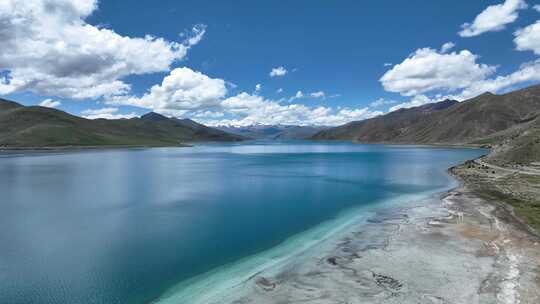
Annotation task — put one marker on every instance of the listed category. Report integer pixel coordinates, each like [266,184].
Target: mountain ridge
[476,121]
[274,132]
[36,126]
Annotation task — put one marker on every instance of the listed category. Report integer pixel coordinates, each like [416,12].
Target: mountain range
[510,123]
[36,126]
[274,132]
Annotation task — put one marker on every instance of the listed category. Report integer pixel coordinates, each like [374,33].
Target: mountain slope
[8,104]
[298,132]
[36,126]
[445,122]
[392,127]
[277,132]
[519,145]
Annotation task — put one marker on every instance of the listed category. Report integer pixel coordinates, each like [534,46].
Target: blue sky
[344,60]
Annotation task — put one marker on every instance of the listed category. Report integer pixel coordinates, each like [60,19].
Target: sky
[241,63]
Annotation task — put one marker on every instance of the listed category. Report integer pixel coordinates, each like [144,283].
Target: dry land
[515,188]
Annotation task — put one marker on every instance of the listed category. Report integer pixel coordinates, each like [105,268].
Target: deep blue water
[122,226]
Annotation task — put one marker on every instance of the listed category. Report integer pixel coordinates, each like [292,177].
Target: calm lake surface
[123,226]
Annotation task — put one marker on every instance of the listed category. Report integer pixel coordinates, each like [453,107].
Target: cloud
[106,113]
[318,94]
[181,91]
[381,102]
[188,93]
[208,114]
[254,109]
[416,101]
[387,64]
[526,74]
[493,18]
[427,70]
[278,72]
[298,95]
[49,49]
[447,47]
[49,103]
[279,91]
[457,75]
[537,7]
[258,87]
[528,38]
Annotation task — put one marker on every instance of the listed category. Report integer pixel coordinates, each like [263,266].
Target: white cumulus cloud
[298,95]
[493,18]
[527,73]
[427,70]
[277,72]
[106,113]
[254,109]
[188,93]
[318,94]
[50,103]
[416,101]
[381,102]
[315,95]
[208,114]
[528,38]
[181,91]
[48,48]
[447,47]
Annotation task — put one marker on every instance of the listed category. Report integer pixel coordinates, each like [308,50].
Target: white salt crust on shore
[415,249]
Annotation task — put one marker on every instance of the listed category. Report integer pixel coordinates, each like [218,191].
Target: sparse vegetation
[520,191]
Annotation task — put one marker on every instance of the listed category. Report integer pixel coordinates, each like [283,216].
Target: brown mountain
[445,122]
[519,144]
[36,126]
[392,127]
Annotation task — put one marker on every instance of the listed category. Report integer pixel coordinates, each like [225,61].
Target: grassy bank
[516,188]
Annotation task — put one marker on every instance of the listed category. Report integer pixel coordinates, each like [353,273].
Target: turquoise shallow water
[124,226]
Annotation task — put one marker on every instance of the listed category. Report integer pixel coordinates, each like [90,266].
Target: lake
[125,226]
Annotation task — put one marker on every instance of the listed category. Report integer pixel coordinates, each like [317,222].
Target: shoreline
[435,145]
[502,206]
[85,148]
[448,247]
[191,144]
[226,280]
[515,245]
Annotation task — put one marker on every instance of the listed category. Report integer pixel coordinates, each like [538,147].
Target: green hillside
[36,126]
